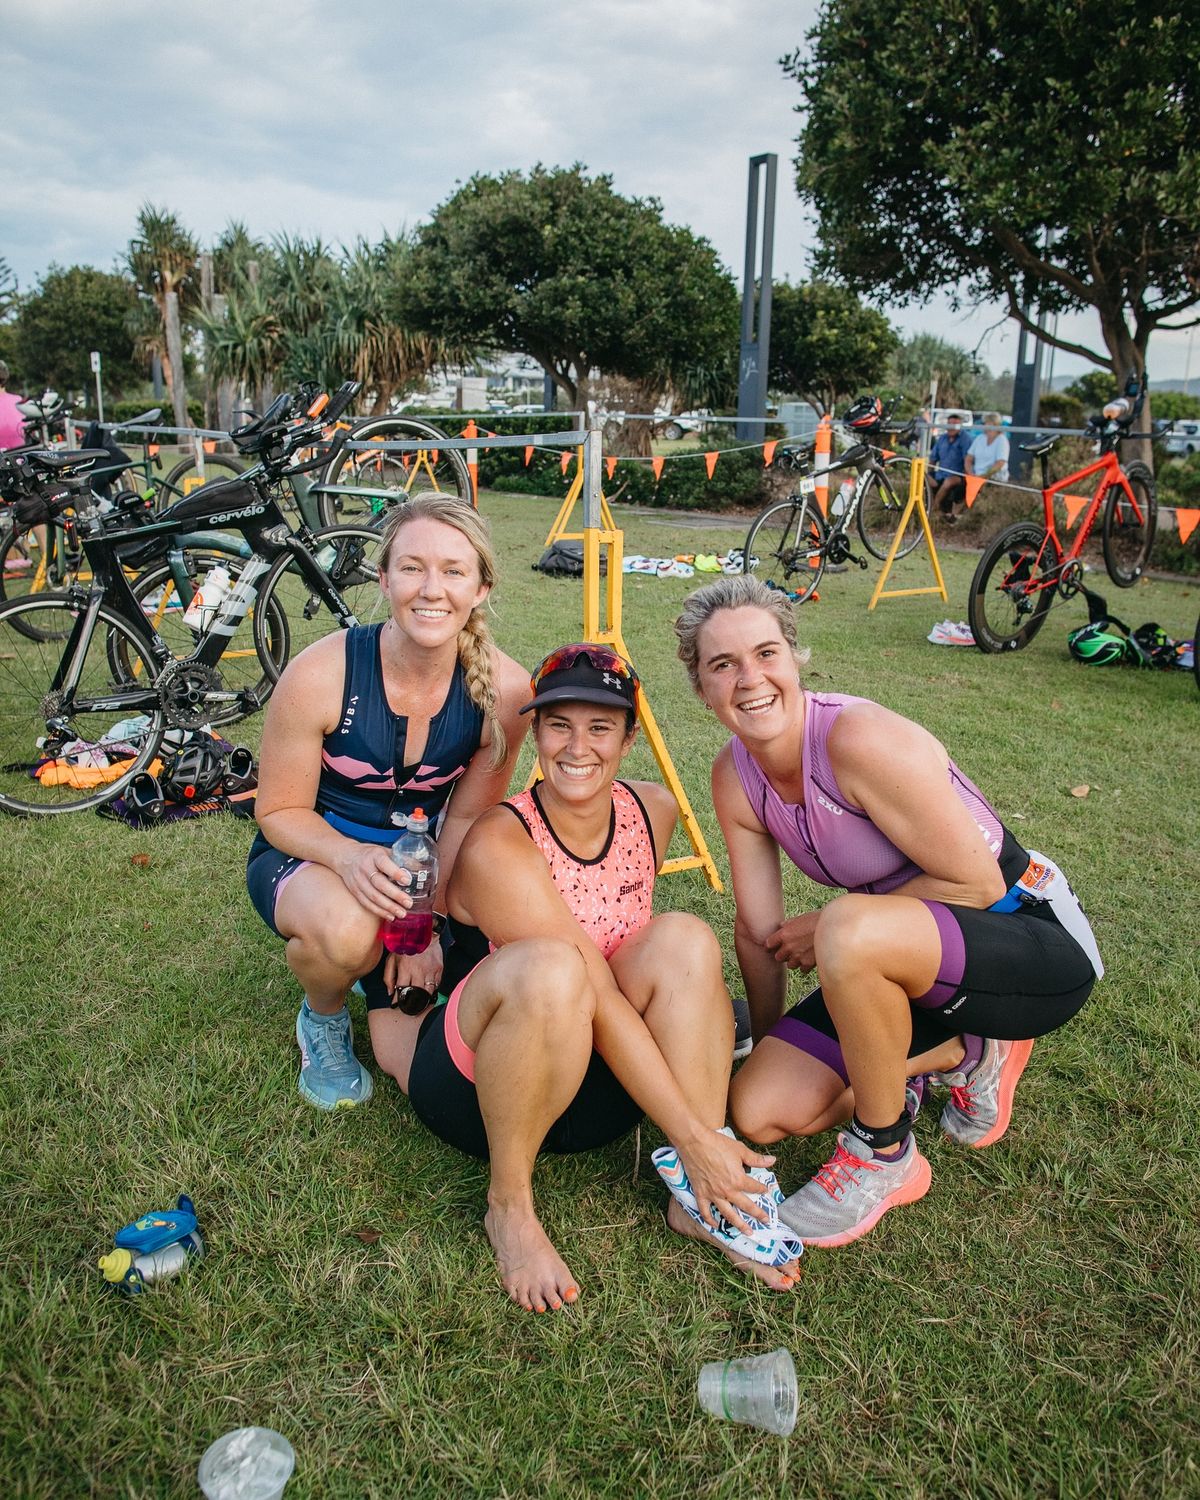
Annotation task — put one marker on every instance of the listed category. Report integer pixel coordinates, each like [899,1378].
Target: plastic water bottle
[416,852]
[203,608]
[153,1248]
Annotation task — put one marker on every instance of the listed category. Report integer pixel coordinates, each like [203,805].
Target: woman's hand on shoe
[716,1168]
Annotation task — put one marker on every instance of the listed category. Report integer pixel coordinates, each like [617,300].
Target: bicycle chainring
[184,691]
[1070,580]
[837,549]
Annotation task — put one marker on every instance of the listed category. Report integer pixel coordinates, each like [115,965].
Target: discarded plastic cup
[250,1463]
[759,1391]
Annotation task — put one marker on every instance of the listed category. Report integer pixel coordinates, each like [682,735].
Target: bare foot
[531,1270]
[778,1278]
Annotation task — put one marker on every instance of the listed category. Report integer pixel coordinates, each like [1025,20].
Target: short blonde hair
[734,591]
[475,644]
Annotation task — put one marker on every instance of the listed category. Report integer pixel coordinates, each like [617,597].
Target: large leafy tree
[825,343]
[557,265]
[1040,152]
[924,358]
[72,311]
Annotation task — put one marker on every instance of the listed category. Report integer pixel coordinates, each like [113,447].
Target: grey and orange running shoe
[980,1106]
[853,1191]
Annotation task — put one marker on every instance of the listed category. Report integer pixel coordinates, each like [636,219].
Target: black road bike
[76,667]
[791,543]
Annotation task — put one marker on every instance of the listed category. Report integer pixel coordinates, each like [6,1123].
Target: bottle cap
[115,1265]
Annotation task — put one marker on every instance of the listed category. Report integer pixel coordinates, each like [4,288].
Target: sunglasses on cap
[584,673]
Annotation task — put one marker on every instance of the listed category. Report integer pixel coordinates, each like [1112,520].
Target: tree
[1037,154]
[558,266]
[73,311]
[1093,389]
[825,344]
[917,362]
[162,259]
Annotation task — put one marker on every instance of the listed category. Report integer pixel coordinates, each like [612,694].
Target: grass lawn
[1029,1329]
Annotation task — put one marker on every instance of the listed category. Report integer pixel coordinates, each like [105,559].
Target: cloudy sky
[345,120]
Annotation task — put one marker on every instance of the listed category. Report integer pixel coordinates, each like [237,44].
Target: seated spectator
[947,465]
[988,455]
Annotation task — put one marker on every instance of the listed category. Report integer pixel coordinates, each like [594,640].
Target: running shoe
[331,1077]
[981,1098]
[853,1191]
[743,1038]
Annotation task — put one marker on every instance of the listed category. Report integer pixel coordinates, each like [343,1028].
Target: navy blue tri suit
[365,777]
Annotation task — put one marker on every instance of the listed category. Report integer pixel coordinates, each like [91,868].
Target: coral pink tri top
[612,895]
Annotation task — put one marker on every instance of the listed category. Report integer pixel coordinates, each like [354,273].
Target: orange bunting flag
[491,434]
[886,453]
[974,483]
[153,450]
[656,464]
[1186,520]
[210,445]
[470,430]
[433,456]
[528,453]
[566,459]
[1074,504]
[610,465]
[710,462]
[769,452]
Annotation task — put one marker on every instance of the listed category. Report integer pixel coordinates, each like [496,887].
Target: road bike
[360,485]
[90,660]
[1027,566]
[791,543]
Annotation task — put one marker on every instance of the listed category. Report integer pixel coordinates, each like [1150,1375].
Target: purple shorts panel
[953,961]
[806,1038]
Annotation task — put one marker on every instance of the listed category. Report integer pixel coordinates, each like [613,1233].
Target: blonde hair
[736,591]
[475,643]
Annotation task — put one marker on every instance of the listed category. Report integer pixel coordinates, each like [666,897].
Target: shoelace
[838,1172]
[962,1099]
[332,1053]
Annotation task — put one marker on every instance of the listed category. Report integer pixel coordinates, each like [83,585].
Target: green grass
[1028,1329]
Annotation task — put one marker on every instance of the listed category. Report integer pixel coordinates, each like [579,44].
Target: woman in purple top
[952,948]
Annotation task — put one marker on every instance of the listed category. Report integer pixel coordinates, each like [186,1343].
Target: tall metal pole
[755,352]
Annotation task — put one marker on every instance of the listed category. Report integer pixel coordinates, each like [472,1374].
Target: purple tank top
[833,843]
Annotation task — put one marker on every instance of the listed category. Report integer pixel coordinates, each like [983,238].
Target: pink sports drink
[415,852]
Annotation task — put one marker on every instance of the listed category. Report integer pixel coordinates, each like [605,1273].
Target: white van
[1184,438]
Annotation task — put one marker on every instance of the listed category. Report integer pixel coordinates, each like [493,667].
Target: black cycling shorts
[446,1102]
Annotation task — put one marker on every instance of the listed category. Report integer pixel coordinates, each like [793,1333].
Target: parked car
[1184,438]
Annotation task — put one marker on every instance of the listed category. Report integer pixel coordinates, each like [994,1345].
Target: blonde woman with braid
[422,711]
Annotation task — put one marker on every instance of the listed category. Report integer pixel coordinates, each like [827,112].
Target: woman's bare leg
[526,1012]
[331,939]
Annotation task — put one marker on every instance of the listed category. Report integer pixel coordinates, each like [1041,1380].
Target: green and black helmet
[1097,646]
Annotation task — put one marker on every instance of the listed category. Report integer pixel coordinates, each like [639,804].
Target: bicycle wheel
[1013,589]
[349,557]
[29,660]
[786,547]
[34,561]
[242,668]
[186,475]
[881,503]
[1129,528]
[367,484]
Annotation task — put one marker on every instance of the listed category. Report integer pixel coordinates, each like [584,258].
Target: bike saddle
[71,461]
[1037,449]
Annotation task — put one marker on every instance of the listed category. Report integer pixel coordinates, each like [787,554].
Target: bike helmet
[865,414]
[194,774]
[1096,646]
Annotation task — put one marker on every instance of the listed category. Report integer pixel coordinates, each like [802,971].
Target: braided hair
[475,642]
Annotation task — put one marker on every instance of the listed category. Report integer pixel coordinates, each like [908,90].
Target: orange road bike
[1025,568]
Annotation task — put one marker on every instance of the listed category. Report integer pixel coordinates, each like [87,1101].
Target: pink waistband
[460,1054]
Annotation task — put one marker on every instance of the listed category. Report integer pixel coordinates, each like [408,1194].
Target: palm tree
[162,260]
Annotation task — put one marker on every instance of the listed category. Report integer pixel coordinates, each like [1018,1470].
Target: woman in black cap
[572,1008]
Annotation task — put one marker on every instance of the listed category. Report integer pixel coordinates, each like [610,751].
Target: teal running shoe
[331,1077]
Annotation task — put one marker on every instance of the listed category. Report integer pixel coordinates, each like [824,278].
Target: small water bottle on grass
[416,852]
